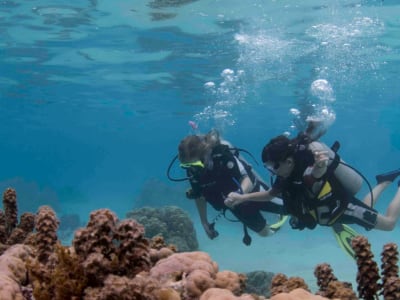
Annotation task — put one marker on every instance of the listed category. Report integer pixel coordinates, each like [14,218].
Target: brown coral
[10,209]
[10,231]
[368,271]
[389,259]
[391,290]
[324,274]
[46,236]
[339,290]
[278,284]
[107,246]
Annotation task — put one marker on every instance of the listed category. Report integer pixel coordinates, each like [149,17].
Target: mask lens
[272,166]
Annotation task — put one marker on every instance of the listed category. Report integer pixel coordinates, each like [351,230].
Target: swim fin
[344,234]
[388,176]
[276,226]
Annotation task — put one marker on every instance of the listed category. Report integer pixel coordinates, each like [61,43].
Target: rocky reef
[170,222]
[113,259]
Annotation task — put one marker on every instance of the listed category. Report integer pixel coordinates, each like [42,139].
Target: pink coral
[13,273]
[231,281]
[297,294]
[178,264]
[190,272]
[222,294]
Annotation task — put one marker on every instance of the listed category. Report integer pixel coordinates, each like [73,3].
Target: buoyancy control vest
[221,176]
[325,203]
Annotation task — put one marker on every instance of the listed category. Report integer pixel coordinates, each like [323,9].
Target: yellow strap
[326,189]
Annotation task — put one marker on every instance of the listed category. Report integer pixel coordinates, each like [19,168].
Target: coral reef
[112,259]
[170,222]
[13,272]
[12,232]
[368,271]
[258,282]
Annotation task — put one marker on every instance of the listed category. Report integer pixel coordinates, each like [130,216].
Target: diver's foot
[389,176]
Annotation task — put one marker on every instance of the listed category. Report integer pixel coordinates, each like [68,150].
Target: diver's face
[281,168]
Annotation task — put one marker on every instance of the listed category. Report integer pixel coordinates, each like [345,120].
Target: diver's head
[277,156]
[191,153]
[191,148]
[194,151]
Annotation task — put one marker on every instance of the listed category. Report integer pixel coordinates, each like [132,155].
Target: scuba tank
[349,178]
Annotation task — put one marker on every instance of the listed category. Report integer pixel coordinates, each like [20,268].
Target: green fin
[344,234]
[276,226]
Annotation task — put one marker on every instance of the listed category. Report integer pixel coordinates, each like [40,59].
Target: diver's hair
[194,147]
[278,149]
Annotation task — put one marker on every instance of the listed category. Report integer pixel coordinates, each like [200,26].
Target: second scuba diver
[317,187]
[214,170]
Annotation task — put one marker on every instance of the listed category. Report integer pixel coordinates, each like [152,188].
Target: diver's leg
[266,231]
[387,222]
[376,193]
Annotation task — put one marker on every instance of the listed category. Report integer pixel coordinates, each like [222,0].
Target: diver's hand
[210,230]
[234,199]
[320,166]
[321,159]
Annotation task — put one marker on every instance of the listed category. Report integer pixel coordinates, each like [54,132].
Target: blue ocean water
[96,95]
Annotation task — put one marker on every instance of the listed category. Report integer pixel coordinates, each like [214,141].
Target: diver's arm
[246,185]
[234,199]
[321,159]
[201,205]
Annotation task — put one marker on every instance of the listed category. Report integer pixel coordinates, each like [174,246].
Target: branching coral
[10,231]
[390,271]
[10,209]
[324,275]
[368,271]
[107,246]
[46,236]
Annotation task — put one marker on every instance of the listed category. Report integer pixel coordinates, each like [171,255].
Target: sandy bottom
[292,252]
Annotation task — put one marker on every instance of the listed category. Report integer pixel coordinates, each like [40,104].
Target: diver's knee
[266,231]
[391,224]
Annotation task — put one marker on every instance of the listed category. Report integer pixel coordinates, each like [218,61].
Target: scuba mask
[272,166]
[195,168]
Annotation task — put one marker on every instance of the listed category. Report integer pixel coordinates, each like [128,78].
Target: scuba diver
[318,187]
[214,169]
